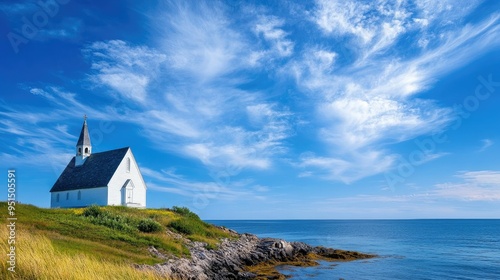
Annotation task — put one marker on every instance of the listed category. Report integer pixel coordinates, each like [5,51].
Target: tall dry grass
[38,259]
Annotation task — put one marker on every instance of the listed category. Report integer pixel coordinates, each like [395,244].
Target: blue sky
[311,109]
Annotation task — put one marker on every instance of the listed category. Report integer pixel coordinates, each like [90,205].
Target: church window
[86,150]
[79,195]
[57,198]
[128,164]
[67,196]
[79,151]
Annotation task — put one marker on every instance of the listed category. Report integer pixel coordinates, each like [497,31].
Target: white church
[106,178]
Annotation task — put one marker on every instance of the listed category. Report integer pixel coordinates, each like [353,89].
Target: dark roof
[84,135]
[95,172]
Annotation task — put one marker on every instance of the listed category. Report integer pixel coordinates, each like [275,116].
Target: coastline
[246,256]
[182,247]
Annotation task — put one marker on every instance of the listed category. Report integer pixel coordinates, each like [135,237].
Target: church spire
[83,146]
[84,139]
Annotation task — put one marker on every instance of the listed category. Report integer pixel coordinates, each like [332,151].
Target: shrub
[148,225]
[189,226]
[184,211]
[182,226]
[93,211]
[100,216]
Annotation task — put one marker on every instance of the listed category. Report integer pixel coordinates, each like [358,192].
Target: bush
[93,211]
[100,216]
[148,225]
[190,226]
[183,226]
[184,211]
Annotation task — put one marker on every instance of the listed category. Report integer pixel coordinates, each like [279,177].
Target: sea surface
[407,249]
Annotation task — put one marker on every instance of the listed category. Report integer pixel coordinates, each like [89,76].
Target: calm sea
[408,249]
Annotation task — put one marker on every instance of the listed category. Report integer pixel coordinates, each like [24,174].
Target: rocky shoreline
[246,257]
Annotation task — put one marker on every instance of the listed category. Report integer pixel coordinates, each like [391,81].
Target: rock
[335,254]
[233,256]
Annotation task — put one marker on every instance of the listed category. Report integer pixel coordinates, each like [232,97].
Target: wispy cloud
[347,170]
[485,144]
[199,40]
[200,86]
[270,28]
[126,69]
[39,137]
[191,104]
[171,182]
[32,142]
[17,9]
[188,114]
[475,186]
[365,98]
[67,29]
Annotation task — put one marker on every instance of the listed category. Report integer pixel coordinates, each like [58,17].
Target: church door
[127,193]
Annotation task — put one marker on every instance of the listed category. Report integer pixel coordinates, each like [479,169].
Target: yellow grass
[37,259]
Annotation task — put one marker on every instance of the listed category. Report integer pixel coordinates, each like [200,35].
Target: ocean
[407,249]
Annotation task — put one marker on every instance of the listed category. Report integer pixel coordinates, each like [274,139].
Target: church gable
[127,176]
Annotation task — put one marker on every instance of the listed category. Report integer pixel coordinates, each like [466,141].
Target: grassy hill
[98,242]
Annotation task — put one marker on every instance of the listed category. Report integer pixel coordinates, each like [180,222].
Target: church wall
[87,197]
[121,175]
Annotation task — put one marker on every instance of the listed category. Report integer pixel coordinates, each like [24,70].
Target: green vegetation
[130,224]
[149,225]
[193,227]
[112,235]
[38,258]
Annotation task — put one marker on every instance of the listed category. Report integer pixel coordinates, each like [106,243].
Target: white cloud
[485,144]
[345,17]
[374,26]
[126,69]
[189,132]
[41,92]
[35,139]
[171,182]
[366,99]
[199,41]
[441,201]
[270,29]
[475,186]
[39,137]
[358,165]
[188,89]
[194,107]
[446,12]
[67,29]
[487,177]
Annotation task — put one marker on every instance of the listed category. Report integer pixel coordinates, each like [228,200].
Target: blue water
[407,249]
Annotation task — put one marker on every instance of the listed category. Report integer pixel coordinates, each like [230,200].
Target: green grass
[194,228]
[114,233]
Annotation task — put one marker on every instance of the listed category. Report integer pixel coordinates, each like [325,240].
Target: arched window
[86,150]
[79,195]
[67,196]
[79,151]
[128,164]
[57,198]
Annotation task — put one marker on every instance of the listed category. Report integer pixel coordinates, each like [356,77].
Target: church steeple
[83,146]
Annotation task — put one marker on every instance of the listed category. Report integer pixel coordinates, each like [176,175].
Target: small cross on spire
[85,117]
